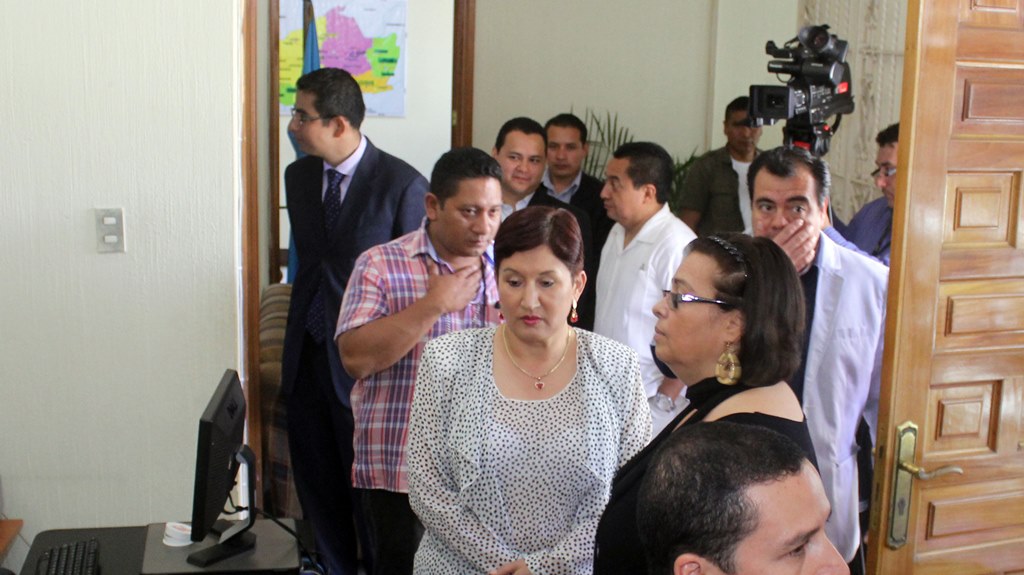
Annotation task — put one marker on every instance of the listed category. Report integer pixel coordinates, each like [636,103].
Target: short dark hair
[568,120]
[537,226]
[739,104]
[520,124]
[759,275]
[694,498]
[649,163]
[336,93]
[784,161]
[460,164]
[890,135]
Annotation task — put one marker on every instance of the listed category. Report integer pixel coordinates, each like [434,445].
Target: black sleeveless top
[617,548]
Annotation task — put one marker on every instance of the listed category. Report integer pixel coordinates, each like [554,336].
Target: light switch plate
[110,230]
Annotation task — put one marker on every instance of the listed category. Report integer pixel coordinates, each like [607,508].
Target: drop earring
[573,316]
[728,369]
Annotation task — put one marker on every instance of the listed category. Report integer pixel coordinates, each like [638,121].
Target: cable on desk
[312,557]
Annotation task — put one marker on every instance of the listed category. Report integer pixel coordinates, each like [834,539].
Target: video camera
[819,87]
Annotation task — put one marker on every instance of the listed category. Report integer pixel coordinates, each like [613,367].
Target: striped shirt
[387,279]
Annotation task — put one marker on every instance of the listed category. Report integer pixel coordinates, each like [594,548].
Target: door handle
[903,474]
[924,475]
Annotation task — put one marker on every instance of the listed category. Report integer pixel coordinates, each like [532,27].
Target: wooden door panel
[991,13]
[970,264]
[980,314]
[991,44]
[988,101]
[982,209]
[977,420]
[954,360]
[963,420]
[977,367]
[956,517]
[965,515]
[987,560]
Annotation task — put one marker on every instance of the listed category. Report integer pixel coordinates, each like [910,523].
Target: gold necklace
[538,383]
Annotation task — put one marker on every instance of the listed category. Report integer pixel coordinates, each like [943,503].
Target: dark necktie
[316,320]
[332,200]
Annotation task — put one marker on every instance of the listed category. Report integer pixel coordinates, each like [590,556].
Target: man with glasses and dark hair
[871,228]
[845,291]
[344,197]
[724,497]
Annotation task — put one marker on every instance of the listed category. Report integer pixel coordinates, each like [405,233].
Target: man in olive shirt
[714,195]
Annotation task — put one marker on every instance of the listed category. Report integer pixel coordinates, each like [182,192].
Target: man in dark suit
[521,150]
[565,179]
[343,198]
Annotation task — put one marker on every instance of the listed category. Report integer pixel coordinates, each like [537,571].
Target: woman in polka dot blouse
[516,431]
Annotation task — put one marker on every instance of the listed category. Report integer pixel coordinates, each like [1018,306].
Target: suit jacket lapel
[311,197]
[360,187]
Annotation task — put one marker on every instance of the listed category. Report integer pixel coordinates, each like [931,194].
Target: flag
[310,62]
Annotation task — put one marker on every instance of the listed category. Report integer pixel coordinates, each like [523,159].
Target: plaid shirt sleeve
[365,296]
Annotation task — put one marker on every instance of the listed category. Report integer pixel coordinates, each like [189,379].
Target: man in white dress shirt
[642,253]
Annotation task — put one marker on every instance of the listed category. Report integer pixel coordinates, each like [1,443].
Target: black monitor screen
[221,430]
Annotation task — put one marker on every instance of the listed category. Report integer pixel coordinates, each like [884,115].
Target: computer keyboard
[75,558]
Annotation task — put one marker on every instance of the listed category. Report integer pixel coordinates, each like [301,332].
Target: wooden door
[954,360]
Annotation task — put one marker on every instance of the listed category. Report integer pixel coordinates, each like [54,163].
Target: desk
[125,550]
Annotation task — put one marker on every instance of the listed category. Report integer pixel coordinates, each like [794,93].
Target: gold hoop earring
[728,369]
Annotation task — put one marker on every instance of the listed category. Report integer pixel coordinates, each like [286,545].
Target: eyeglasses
[304,118]
[887,171]
[680,298]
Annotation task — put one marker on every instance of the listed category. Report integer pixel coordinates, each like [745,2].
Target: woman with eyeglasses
[517,431]
[731,328]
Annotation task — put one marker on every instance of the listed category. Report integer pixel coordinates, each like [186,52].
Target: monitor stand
[237,538]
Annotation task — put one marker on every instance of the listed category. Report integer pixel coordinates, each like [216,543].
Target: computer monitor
[219,455]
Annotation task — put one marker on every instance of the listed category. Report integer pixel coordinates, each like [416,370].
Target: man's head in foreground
[726,498]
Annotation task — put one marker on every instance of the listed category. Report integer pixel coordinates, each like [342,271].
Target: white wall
[876,33]
[666,67]
[108,360]
[742,28]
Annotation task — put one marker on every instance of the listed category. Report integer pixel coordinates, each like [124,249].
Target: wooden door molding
[464,54]
[954,361]
[250,233]
[274,161]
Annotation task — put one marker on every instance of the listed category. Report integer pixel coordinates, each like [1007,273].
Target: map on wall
[365,37]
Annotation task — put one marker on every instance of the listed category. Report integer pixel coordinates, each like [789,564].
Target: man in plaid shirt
[429,282]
